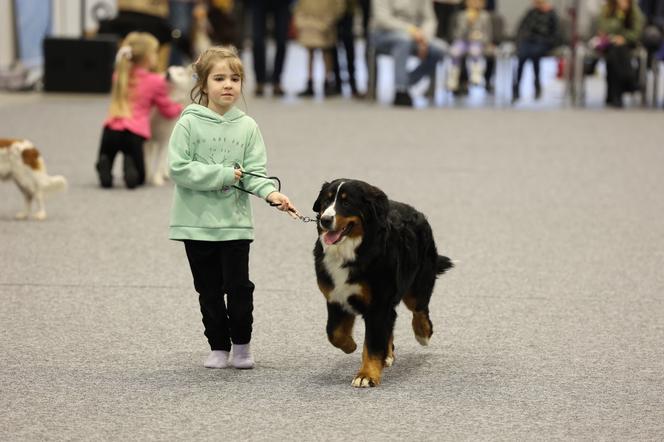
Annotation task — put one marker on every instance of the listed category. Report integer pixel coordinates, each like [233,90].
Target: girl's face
[624,5]
[223,87]
[475,4]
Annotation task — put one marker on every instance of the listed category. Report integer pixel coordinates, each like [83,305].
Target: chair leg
[372,69]
[433,82]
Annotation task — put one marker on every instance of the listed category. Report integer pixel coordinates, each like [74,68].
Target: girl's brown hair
[612,11]
[206,62]
[135,48]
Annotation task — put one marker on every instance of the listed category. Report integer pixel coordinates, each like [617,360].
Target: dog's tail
[53,183]
[444,264]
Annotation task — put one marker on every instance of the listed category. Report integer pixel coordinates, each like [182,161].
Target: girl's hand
[284,204]
[618,40]
[238,174]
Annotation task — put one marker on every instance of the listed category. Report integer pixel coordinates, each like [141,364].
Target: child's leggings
[218,268]
[130,144]
[460,48]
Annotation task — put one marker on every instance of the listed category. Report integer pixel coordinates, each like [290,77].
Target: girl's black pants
[222,268]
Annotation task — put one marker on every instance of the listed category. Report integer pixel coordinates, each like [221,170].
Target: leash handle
[304,219]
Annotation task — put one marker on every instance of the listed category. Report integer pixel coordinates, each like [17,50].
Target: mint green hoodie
[203,150]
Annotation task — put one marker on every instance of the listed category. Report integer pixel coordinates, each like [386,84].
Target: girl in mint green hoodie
[212,145]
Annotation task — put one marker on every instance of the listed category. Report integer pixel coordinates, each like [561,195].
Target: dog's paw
[389,360]
[364,381]
[422,340]
[39,216]
[21,215]
[348,346]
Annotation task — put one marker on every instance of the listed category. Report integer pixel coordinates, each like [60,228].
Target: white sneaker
[476,72]
[242,357]
[453,78]
[216,359]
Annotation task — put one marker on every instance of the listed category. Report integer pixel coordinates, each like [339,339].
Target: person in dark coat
[538,34]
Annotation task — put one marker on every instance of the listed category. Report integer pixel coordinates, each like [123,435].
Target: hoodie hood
[207,114]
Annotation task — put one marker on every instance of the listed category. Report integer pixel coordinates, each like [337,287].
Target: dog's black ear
[378,205]
[316,207]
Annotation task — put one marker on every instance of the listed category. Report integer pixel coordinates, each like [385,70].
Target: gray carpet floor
[549,328]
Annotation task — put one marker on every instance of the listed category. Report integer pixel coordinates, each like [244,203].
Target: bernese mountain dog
[371,254]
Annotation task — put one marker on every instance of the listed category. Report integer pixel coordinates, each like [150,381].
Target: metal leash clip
[305,219]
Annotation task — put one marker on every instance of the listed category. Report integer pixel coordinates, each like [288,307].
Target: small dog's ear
[316,207]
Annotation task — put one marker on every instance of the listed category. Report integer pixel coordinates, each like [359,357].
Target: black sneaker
[403,99]
[309,91]
[331,89]
[538,91]
[130,173]
[259,91]
[104,167]
[515,93]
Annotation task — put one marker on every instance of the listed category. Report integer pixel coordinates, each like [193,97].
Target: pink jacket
[149,89]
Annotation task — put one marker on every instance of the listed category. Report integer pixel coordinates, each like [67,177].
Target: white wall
[6,34]
[67,16]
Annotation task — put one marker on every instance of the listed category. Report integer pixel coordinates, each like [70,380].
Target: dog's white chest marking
[331,209]
[334,260]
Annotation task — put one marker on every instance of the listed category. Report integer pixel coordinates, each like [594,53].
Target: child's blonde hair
[206,62]
[477,4]
[135,48]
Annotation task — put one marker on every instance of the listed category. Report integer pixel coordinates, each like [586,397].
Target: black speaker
[79,65]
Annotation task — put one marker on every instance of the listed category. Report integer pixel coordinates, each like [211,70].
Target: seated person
[536,36]
[472,32]
[619,30]
[402,28]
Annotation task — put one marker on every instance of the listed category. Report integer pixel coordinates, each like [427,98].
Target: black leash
[304,219]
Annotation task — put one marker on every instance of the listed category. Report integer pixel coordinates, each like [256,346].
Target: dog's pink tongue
[331,237]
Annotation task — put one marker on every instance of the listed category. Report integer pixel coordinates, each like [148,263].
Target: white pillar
[7,37]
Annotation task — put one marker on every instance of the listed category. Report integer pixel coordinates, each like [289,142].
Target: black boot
[309,91]
[130,173]
[104,167]
[331,89]
[403,99]
[515,93]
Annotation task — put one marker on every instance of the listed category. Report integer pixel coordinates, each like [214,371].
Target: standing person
[472,33]
[281,12]
[316,25]
[345,32]
[180,16]
[619,31]
[216,151]
[537,35]
[402,28]
[135,91]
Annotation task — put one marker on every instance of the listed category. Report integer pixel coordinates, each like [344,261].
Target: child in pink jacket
[135,91]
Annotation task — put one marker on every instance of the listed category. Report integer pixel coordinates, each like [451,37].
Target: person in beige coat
[316,26]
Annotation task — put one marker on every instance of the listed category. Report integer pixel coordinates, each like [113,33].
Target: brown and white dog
[180,83]
[21,161]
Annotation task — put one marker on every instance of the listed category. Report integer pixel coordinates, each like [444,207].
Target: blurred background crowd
[457,45]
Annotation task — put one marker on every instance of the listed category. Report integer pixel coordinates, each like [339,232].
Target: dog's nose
[326,222]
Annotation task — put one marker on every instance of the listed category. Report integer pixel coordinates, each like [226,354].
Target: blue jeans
[179,18]
[400,46]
